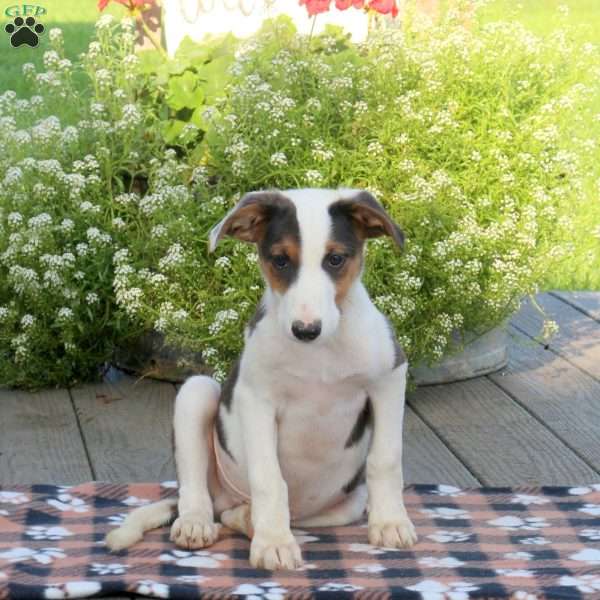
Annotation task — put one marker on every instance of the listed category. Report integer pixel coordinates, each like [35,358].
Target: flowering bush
[103,228]
[62,210]
[455,130]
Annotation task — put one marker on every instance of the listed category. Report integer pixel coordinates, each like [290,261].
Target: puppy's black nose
[306,331]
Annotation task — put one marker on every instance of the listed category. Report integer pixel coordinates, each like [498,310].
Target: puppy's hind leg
[239,519]
[196,406]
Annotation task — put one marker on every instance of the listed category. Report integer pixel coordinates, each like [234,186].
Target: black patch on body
[399,356]
[221,435]
[260,312]
[364,420]
[227,389]
[359,478]
[282,222]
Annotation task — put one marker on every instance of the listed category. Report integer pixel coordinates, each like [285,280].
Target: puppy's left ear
[370,217]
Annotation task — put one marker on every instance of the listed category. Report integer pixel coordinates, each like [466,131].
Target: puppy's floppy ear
[370,218]
[248,219]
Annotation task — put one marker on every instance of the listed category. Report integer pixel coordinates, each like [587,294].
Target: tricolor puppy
[307,430]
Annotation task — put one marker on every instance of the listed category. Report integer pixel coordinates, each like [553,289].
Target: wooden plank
[586,302]
[427,460]
[127,425]
[40,441]
[564,398]
[498,440]
[578,339]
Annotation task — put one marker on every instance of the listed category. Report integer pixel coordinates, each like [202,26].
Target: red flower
[385,7]
[314,7]
[102,4]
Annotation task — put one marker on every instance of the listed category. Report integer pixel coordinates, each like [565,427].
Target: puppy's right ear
[248,219]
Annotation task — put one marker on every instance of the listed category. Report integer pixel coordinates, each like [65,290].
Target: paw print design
[24,31]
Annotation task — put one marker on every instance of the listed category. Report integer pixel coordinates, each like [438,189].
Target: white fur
[294,406]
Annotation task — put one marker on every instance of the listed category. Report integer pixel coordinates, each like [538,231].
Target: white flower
[278,159]
[223,262]
[313,177]
[55,34]
[221,319]
[65,313]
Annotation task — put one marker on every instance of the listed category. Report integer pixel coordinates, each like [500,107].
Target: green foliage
[187,85]
[105,211]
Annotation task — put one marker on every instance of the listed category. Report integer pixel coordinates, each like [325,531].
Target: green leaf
[214,77]
[150,61]
[191,52]
[172,130]
[184,92]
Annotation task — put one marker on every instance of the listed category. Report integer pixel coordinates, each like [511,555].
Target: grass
[580,271]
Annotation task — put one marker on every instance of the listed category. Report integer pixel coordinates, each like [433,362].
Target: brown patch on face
[346,277]
[280,278]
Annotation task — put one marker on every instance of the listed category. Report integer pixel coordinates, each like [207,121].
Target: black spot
[356,480]
[221,435]
[399,356]
[227,389]
[256,318]
[343,229]
[364,420]
[282,223]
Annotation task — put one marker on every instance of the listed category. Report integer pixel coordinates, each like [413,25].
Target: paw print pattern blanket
[525,544]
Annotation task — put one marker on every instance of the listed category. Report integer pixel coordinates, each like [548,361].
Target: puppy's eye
[336,260]
[281,261]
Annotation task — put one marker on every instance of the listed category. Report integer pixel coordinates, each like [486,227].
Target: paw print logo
[24,31]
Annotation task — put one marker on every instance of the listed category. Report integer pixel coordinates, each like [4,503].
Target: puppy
[307,429]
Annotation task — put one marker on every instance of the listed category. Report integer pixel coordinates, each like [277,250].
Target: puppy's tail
[139,521]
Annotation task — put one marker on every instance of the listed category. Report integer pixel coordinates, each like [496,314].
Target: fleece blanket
[520,543]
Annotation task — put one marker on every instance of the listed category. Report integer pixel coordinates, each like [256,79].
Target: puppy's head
[310,247]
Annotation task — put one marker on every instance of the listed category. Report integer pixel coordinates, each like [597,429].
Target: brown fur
[291,248]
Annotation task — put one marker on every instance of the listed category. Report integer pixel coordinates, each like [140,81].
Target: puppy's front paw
[273,553]
[393,533]
[191,531]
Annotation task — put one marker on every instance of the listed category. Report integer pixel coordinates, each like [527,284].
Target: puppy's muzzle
[306,332]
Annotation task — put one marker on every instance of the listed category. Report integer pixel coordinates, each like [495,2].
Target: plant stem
[151,36]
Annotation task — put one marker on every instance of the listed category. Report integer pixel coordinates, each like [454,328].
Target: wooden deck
[536,422]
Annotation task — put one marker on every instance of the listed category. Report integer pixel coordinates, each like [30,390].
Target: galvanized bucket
[480,355]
